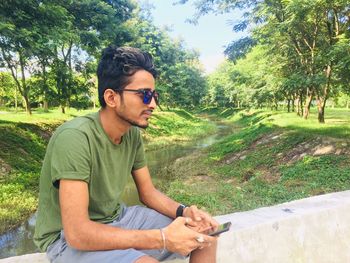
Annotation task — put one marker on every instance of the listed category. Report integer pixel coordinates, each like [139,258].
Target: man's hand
[203,222]
[182,239]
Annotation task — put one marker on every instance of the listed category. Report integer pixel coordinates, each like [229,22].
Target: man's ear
[111,98]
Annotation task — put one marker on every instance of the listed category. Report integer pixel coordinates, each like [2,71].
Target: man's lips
[147,113]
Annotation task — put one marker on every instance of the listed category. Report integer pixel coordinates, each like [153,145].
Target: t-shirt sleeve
[70,157]
[140,159]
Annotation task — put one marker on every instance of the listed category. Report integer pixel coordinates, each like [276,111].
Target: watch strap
[180,210]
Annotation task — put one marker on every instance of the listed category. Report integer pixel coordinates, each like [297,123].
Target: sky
[209,36]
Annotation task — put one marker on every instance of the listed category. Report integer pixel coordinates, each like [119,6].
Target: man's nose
[153,103]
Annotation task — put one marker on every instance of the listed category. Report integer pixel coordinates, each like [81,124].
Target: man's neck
[114,127]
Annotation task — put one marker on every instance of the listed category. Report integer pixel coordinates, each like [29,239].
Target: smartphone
[221,229]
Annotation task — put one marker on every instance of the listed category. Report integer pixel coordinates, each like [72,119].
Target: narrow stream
[20,240]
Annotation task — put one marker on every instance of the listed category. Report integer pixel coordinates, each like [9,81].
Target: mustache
[147,111]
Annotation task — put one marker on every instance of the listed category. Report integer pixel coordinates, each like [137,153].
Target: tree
[307,31]
[93,24]
[37,37]
[8,90]
[238,49]
[181,81]
[23,25]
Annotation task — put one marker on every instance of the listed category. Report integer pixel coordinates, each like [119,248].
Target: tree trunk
[46,105]
[20,83]
[25,88]
[309,97]
[27,104]
[288,105]
[322,99]
[298,107]
[293,103]
[307,106]
[45,86]
[300,104]
[16,103]
[63,109]
[321,104]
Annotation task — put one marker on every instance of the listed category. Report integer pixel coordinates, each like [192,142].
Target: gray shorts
[134,217]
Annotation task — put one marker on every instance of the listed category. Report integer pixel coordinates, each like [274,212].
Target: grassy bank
[274,157]
[23,140]
[176,126]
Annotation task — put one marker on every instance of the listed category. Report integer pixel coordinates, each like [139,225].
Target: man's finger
[195,213]
[187,221]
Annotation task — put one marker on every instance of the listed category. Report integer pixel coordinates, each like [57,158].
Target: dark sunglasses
[147,94]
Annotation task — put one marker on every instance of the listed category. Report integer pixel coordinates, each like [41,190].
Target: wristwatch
[180,210]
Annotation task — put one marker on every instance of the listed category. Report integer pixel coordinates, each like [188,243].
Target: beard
[132,122]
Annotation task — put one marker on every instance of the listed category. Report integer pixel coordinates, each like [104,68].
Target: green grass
[337,122]
[270,160]
[54,115]
[23,140]
[175,126]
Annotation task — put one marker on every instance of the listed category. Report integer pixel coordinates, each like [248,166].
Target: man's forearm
[96,236]
[85,234]
[160,202]
[150,196]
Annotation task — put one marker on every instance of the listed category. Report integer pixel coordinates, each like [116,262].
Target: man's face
[132,109]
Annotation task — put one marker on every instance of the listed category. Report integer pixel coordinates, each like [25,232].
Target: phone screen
[221,228]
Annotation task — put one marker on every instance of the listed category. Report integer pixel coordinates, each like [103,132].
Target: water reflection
[20,241]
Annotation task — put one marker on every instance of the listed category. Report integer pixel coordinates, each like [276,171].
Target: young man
[86,166]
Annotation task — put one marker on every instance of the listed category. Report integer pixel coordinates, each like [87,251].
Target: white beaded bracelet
[163,239]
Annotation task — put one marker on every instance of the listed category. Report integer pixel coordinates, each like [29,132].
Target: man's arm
[175,233]
[158,201]
[150,196]
[83,234]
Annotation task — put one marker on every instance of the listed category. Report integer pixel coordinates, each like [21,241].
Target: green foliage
[181,81]
[59,42]
[238,49]
[7,89]
[302,54]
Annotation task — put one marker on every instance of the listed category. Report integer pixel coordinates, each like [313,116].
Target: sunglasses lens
[147,96]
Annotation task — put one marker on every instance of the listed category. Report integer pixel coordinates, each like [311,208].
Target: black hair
[117,65]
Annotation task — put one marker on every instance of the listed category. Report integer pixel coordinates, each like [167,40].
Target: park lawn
[275,157]
[23,141]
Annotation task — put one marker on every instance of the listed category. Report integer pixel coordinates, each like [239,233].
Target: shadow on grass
[22,145]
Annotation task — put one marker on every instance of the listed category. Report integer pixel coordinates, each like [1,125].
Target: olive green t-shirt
[81,150]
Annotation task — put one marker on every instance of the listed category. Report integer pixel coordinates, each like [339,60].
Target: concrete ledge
[311,230]
[29,258]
